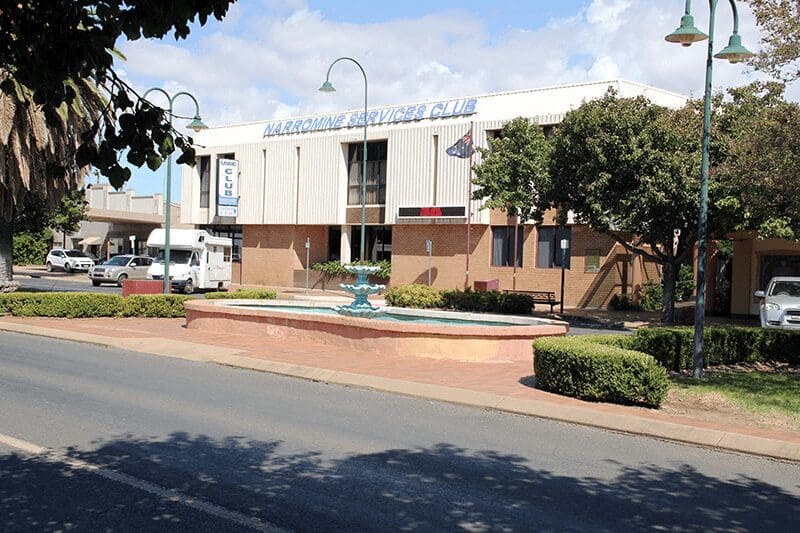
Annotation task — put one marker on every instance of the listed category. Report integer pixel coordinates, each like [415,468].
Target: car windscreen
[119,260]
[785,288]
[75,253]
[175,256]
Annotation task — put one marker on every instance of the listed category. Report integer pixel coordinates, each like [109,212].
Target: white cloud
[267,61]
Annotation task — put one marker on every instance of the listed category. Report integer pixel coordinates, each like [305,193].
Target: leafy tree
[64,107]
[31,247]
[779,21]
[628,168]
[34,225]
[759,171]
[513,175]
[72,209]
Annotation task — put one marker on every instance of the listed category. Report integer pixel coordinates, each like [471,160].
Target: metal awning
[88,241]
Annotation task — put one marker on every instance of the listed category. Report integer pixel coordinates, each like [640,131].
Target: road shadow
[438,488]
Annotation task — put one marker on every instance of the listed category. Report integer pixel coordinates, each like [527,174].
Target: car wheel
[189,287]
[49,266]
[95,283]
[121,279]
[67,268]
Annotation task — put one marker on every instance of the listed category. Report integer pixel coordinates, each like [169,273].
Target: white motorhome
[198,260]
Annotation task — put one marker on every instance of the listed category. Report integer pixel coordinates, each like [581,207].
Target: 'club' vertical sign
[227,187]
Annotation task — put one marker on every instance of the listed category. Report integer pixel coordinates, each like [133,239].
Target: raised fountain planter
[457,336]
[361,289]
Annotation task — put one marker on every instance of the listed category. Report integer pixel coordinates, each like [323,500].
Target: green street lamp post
[196,124]
[685,35]
[327,87]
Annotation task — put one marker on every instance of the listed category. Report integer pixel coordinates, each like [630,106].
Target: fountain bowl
[475,337]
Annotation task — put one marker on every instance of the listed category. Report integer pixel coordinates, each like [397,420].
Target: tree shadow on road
[442,487]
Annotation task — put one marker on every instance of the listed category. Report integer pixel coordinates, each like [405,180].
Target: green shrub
[652,292]
[91,305]
[154,305]
[61,304]
[684,284]
[487,302]
[575,366]
[622,302]
[619,340]
[416,296]
[652,297]
[30,248]
[335,268]
[243,294]
[673,347]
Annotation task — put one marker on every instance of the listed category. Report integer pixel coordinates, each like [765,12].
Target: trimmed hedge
[154,305]
[61,304]
[424,297]
[243,294]
[673,347]
[91,305]
[488,302]
[416,296]
[578,367]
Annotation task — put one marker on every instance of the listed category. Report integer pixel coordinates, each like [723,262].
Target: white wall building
[299,179]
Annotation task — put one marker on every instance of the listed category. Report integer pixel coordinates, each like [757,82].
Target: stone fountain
[361,289]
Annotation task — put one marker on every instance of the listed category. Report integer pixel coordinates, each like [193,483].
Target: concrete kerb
[627,423]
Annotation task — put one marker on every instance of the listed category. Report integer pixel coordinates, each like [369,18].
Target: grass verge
[770,393]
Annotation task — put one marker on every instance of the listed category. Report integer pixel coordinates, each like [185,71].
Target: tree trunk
[669,273]
[6,256]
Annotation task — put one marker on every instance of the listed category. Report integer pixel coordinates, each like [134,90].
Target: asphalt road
[78,282]
[109,440]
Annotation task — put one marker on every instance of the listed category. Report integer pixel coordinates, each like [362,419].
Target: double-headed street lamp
[327,87]
[196,124]
[685,35]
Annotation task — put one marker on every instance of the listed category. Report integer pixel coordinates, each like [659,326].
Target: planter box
[487,285]
[320,280]
[142,286]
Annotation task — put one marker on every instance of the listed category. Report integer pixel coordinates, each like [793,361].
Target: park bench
[540,297]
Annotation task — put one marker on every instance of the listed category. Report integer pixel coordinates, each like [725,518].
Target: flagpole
[469,203]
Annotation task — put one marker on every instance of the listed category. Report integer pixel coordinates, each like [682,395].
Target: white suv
[69,260]
[780,303]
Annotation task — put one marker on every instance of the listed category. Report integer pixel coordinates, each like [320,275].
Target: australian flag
[463,147]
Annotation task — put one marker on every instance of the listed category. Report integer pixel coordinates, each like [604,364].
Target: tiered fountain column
[361,289]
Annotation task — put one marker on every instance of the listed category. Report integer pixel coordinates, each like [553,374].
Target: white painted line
[164,493]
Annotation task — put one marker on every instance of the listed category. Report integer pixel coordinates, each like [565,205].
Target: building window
[376,172]
[334,243]
[549,247]
[234,233]
[778,265]
[204,166]
[378,241]
[592,261]
[503,246]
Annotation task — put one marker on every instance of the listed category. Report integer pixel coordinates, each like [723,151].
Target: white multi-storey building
[298,181]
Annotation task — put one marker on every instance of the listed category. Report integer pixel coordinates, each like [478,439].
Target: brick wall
[271,253]
[410,261]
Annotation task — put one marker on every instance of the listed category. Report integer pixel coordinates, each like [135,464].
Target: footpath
[504,386]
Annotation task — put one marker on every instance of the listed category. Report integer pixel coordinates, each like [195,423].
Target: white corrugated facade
[293,189]
[273,190]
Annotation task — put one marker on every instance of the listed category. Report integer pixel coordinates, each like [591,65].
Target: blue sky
[268,57]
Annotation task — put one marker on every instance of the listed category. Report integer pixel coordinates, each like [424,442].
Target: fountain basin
[415,332]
